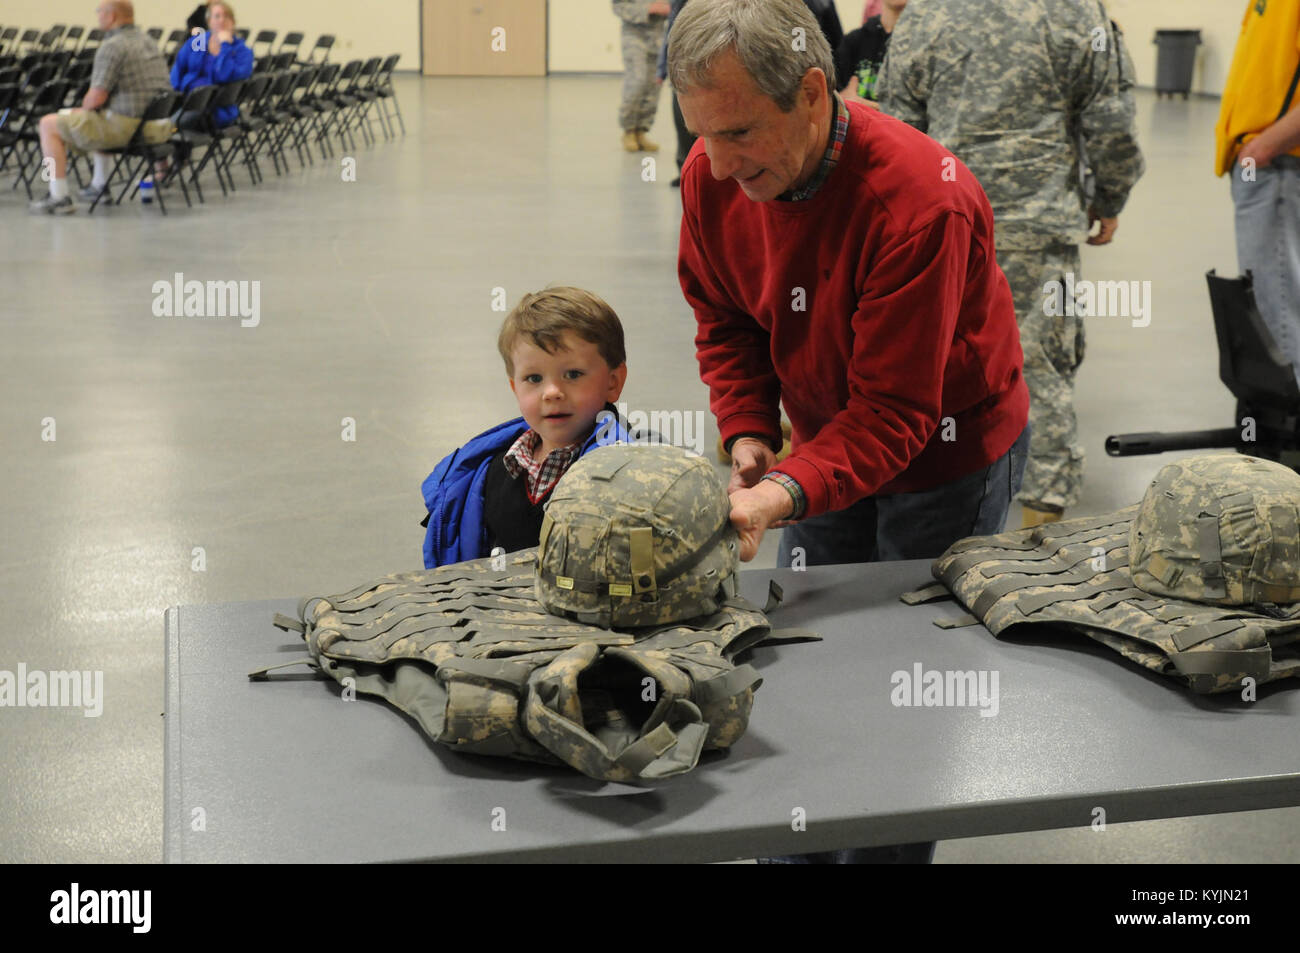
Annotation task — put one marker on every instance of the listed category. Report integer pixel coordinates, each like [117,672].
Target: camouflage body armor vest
[470,652]
[1191,583]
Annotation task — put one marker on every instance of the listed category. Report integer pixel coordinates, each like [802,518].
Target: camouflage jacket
[635,12]
[1021,91]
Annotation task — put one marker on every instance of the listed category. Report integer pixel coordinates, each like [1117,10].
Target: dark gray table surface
[288,771]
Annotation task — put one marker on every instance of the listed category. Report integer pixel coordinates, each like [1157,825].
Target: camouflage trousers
[641,42]
[1053,348]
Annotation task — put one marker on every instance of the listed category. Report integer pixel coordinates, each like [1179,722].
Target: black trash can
[1175,60]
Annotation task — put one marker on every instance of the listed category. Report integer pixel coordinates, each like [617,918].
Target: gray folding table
[288,770]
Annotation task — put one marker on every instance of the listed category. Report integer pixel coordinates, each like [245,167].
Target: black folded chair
[77,76]
[323,44]
[364,95]
[226,95]
[93,39]
[185,141]
[345,101]
[251,98]
[296,113]
[8,38]
[154,33]
[270,116]
[174,40]
[72,39]
[322,101]
[263,36]
[28,39]
[141,153]
[384,88]
[24,143]
[242,33]
[290,44]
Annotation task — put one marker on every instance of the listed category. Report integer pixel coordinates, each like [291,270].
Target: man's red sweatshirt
[875,311]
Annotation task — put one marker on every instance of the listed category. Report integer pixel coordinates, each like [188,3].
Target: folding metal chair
[25,143]
[263,36]
[146,154]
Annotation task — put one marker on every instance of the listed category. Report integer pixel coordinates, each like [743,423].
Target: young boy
[563,350]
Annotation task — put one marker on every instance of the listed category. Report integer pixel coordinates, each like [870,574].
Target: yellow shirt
[1263,68]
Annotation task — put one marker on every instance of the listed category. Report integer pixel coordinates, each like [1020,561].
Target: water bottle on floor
[146,190]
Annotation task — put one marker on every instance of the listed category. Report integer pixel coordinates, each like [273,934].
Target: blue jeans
[905,526]
[1268,245]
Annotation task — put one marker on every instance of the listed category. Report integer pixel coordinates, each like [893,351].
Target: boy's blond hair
[543,316]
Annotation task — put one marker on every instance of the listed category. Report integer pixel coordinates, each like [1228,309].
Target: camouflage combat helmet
[637,535]
[1222,528]
[1180,584]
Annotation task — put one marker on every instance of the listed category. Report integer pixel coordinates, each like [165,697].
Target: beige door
[484,37]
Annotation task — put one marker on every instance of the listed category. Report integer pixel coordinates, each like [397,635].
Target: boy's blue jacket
[453,492]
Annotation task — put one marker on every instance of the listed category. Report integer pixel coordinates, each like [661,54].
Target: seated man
[129,72]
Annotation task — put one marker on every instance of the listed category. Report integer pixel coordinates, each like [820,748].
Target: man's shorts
[88,130]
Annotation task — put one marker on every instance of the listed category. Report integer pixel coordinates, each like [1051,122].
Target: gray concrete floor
[176,433]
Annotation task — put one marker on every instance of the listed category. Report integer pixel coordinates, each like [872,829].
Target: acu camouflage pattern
[1020,91]
[642,37]
[470,655]
[1076,574]
[1221,528]
[637,535]
[1053,347]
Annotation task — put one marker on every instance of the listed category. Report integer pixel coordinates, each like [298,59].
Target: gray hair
[776,41]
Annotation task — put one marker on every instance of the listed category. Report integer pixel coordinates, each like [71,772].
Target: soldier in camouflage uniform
[643,34]
[1027,93]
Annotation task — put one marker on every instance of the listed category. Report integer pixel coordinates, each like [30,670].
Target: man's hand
[750,459]
[660,9]
[1258,150]
[1107,230]
[754,509]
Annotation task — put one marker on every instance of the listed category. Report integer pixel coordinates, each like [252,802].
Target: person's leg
[631,92]
[1268,246]
[52,147]
[649,103]
[1053,347]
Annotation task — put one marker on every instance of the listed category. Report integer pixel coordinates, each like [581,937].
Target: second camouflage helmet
[1220,528]
[637,535]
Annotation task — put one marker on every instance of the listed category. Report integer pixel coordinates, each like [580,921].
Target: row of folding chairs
[61,37]
[301,109]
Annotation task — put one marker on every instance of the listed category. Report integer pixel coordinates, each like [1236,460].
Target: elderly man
[129,72]
[841,262]
[1026,93]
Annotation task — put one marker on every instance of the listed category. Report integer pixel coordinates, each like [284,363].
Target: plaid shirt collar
[839,132]
[542,474]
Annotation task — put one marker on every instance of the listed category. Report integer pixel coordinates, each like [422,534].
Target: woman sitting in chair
[212,58]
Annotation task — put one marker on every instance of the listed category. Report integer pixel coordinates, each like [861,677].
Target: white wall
[1218,20]
[361,30]
[583,35]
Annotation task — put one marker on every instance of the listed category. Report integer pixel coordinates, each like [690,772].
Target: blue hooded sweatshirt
[194,68]
[453,492]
